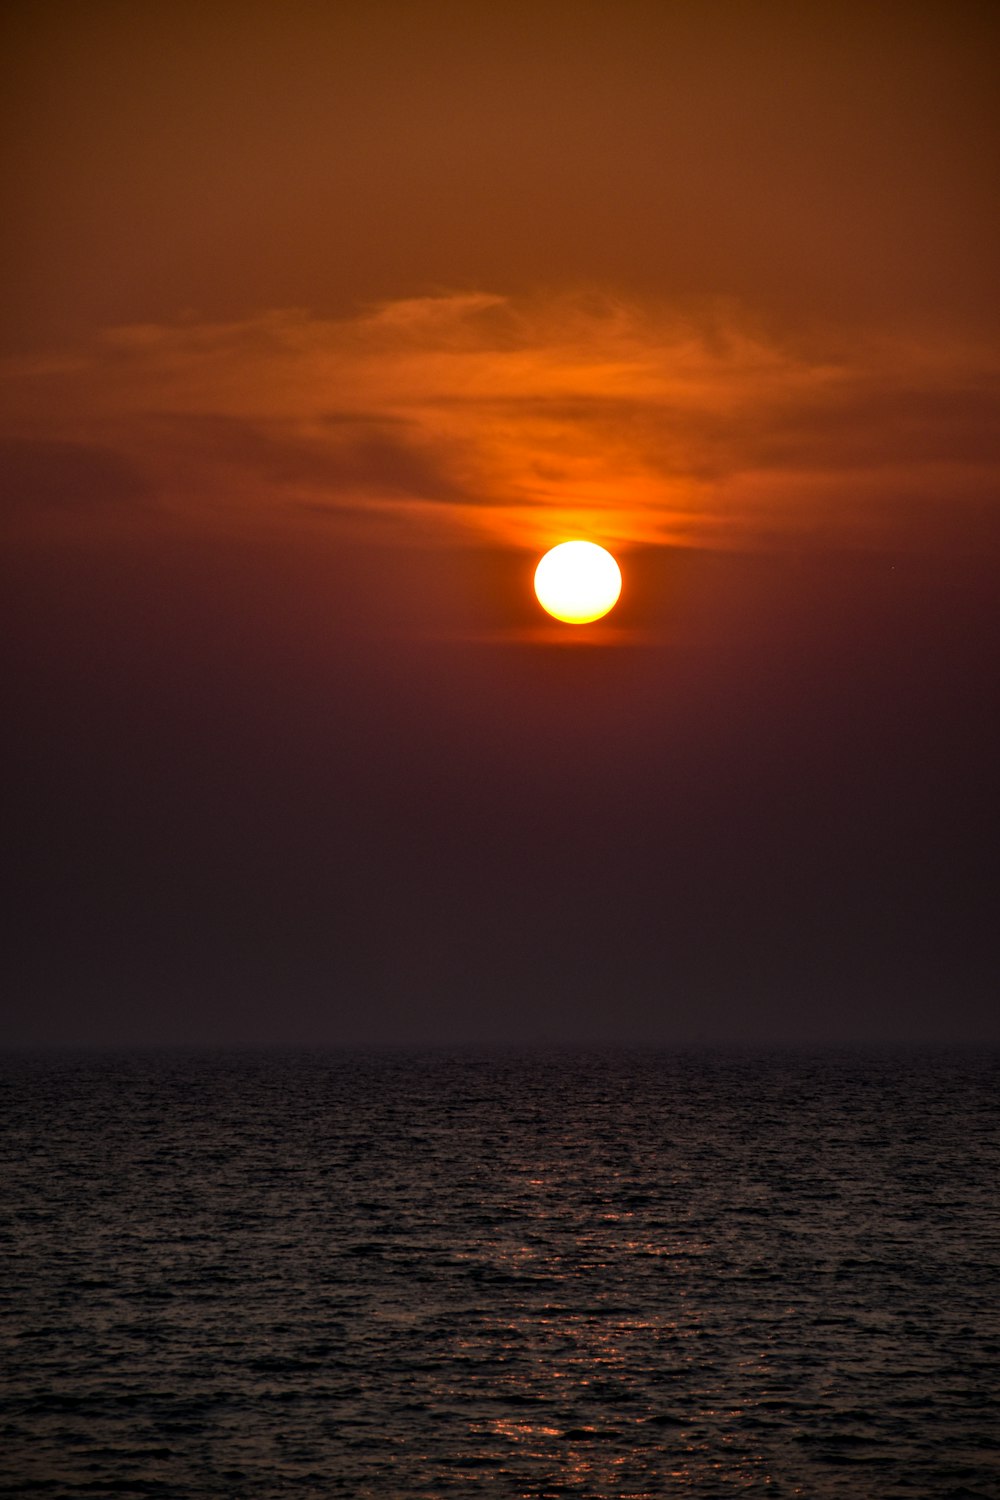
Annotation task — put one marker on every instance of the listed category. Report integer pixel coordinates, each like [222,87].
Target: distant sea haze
[590,1273]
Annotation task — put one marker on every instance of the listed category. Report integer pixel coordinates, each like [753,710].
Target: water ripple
[599,1275]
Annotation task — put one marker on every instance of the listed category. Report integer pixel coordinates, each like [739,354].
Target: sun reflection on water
[577,1347]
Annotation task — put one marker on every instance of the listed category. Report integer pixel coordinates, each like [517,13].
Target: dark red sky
[320,323]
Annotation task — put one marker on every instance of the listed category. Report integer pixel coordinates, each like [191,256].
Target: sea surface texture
[552,1274]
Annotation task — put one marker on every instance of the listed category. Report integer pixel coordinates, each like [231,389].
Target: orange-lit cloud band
[477,417]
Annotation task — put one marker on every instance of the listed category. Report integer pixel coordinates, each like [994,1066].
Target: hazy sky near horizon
[320,324]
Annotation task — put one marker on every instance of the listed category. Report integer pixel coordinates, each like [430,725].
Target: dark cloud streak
[40,475]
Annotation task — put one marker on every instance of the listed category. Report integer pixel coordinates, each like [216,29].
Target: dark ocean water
[588,1274]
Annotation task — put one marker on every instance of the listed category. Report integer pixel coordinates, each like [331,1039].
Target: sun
[578,582]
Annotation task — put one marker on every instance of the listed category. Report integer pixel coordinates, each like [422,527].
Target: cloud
[41,476]
[361,454]
[486,418]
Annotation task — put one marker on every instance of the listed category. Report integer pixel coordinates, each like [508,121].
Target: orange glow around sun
[578,582]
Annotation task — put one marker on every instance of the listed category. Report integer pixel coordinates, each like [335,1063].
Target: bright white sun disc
[578,582]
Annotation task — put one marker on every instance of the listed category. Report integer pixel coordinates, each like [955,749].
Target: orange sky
[654,274]
[321,321]
[224,159]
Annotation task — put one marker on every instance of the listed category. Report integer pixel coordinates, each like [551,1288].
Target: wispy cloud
[523,421]
[45,477]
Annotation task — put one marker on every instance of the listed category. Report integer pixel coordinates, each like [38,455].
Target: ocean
[528,1274]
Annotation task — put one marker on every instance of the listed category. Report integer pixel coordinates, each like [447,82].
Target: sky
[319,325]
